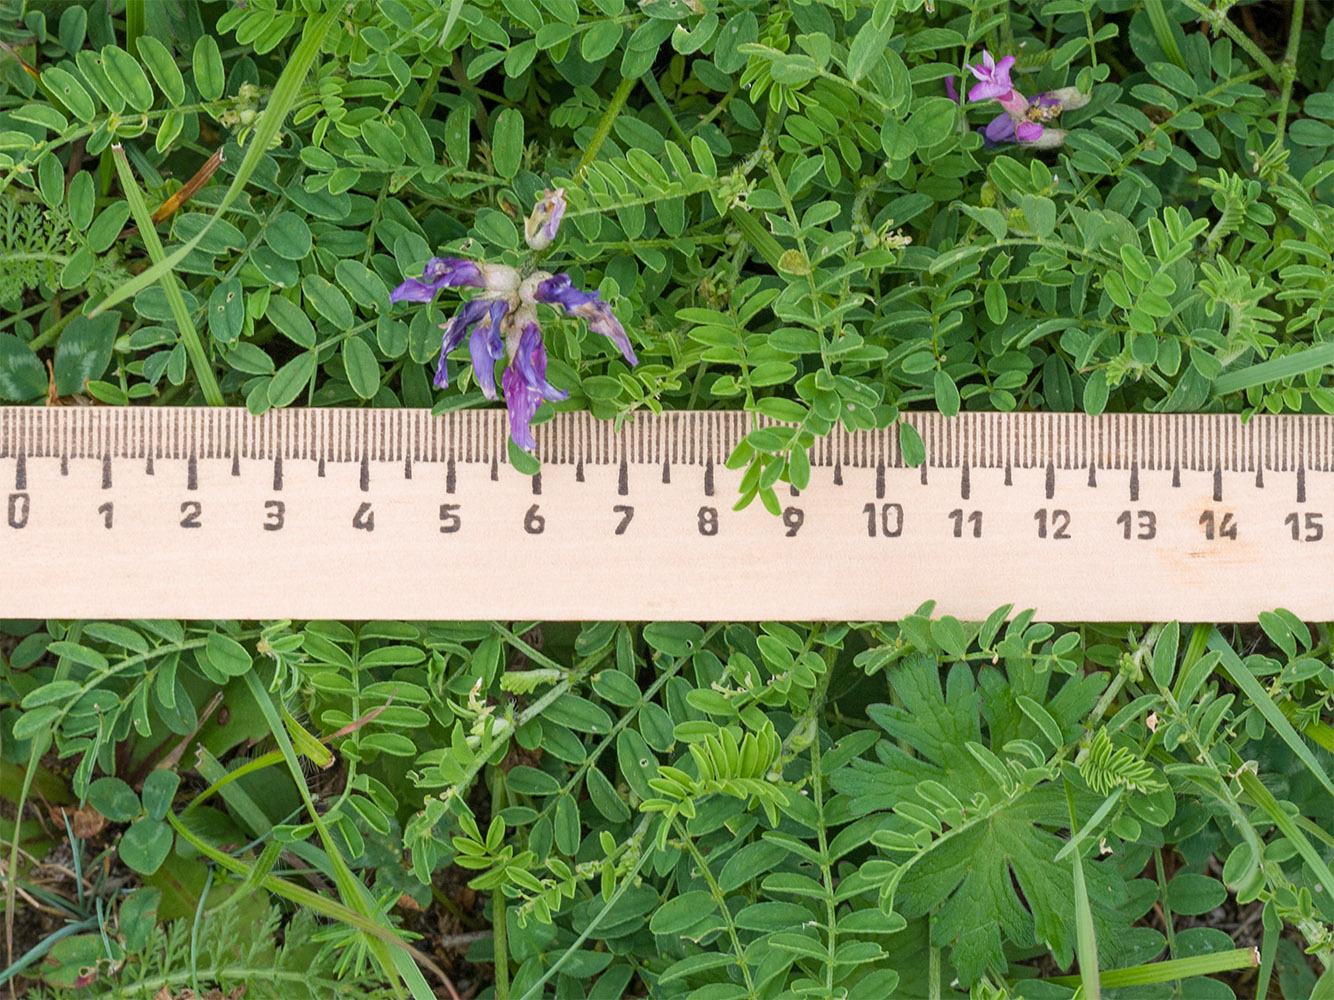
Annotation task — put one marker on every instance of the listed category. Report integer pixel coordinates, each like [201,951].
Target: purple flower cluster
[1020,120]
[503,320]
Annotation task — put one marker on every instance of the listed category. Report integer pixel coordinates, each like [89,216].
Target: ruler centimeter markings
[362,513]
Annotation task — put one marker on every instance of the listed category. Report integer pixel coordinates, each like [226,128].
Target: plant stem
[1288,68]
[500,944]
[1239,37]
[604,127]
[499,941]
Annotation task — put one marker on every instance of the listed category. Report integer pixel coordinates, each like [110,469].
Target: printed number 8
[708,520]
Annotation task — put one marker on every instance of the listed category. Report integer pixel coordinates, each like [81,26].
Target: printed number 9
[793,519]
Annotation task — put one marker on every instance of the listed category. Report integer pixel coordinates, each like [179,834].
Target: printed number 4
[1227,528]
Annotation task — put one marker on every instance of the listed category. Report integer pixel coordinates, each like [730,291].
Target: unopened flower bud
[540,228]
[1070,98]
[1050,138]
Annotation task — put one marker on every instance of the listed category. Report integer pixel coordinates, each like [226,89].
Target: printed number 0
[19,506]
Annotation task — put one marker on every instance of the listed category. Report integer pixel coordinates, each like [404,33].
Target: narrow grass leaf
[1257,695]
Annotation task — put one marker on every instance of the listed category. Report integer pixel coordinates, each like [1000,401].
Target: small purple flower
[1020,120]
[540,227]
[559,291]
[441,272]
[531,361]
[994,78]
[486,346]
[455,330]
[950,91]
[503,320]
[525,386]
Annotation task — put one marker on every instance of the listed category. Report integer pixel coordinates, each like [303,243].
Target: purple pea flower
[1021,120]
[559,291]
[994,78]
[485,346]
[441,272]
[503,319]
[525,386]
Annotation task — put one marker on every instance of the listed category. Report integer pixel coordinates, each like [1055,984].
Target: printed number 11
[974,518]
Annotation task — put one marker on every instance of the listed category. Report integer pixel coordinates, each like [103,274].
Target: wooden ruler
[340,513]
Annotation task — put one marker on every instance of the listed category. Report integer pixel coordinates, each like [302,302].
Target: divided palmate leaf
[1002,842]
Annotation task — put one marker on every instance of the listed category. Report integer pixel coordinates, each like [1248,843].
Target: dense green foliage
[788,215]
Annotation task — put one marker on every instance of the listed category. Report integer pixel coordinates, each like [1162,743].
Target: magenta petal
[1028,131]
[522,403]
[989,90]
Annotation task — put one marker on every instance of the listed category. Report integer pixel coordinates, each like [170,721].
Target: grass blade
[354,893]
[194,347]
[1259,697]
[1275,369]
[1264,798]
[280,103]
[1086,938]
[1171,970]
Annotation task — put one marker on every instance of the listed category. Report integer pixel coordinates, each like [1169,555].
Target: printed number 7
[628,515]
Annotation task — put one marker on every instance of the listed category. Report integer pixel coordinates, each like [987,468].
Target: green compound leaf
[967,875]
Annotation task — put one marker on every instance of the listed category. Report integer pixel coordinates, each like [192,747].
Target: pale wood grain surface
[61,468]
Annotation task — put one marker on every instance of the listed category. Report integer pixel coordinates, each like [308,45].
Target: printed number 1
[974,518]
[105,511]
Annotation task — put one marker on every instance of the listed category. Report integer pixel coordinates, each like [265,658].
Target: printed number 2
[191,509]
